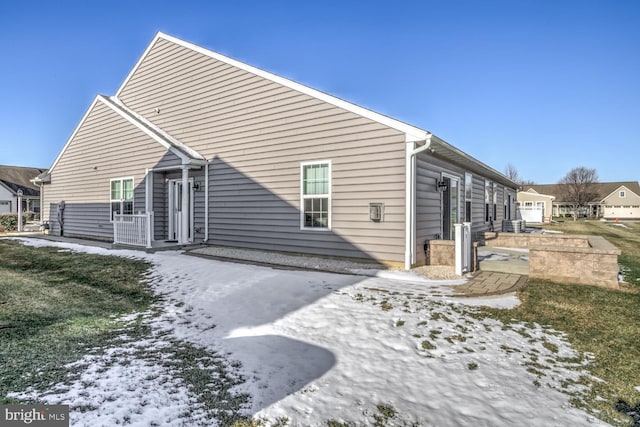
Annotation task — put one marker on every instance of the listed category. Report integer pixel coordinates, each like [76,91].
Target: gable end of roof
[412,133]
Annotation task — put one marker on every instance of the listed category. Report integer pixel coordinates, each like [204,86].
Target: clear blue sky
[546,85]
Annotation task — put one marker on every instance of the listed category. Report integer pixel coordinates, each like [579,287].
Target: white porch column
[184,208]
[148,200]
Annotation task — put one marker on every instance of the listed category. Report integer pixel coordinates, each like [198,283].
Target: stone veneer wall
[527,240]
[443,252]
[596,265]
[588,260]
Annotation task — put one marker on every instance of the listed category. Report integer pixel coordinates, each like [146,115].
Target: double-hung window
[468,185]
[121,196]
[316,195]
[488,186]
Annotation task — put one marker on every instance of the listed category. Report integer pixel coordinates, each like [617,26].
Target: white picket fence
[134,230]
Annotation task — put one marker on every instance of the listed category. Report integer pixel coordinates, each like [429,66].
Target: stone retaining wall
[527,240]
[588,260]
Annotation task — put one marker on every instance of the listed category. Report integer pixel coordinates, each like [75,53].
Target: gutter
[410,198]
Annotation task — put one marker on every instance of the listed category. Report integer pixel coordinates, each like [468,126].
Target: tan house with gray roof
[615,200]
[196,147]
[16,181]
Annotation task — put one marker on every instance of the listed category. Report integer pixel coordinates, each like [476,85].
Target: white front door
[176,210]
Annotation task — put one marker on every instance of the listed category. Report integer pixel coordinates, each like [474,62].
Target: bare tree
[512,173]
[578,188]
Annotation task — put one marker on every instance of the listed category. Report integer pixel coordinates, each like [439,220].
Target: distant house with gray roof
[16,179]
[614,200]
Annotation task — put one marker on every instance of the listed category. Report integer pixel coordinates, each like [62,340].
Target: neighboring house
[615,200]
[14,179]
[534,207]
[213,150]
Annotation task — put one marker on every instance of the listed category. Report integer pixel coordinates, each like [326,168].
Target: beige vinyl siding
[429,223]
[622,207]
[102,149]
[630,197]
[256,133]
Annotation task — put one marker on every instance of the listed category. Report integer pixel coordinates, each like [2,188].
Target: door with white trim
[176,210]
[450,206]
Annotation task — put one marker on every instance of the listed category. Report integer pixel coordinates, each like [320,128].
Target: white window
[495,201]
[121,196]
[316,195]
[468,185]
[622,194]
[488,193]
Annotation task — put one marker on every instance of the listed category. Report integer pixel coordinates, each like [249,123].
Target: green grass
[55,306]
[58,306]
[600,321]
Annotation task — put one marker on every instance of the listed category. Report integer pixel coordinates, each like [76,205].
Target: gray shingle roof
[19,178]
[602,188]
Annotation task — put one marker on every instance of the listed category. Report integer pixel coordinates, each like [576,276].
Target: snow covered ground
[314,347]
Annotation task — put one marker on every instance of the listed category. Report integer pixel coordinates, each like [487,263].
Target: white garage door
[622,212]
[5,206]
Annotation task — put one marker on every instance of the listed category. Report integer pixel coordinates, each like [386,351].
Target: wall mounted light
[441,185]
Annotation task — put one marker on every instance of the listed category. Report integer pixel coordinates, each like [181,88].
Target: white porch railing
[134,230]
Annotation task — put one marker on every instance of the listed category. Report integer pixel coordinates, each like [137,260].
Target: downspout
[206,202]
[410,199]
[184,208]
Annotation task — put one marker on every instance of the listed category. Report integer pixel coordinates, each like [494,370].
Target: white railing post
[468,257]
[459,248]
[463,248]
[148,229]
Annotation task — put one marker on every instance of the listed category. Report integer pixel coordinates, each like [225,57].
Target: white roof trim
[176,147]
[413,133]
[442,148]
[75,131]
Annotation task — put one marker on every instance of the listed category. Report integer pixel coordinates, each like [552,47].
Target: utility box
[376,212]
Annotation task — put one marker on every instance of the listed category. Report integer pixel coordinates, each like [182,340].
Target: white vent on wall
[376,212]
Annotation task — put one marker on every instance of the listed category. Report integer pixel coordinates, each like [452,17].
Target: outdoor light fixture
[442,185]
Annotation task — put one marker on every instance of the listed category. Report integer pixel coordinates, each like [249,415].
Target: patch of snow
[315,346]
[619,224]
[545,231]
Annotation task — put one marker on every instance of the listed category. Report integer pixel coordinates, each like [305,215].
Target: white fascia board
[186,154]
[412,133]
[465,159]
[75,131]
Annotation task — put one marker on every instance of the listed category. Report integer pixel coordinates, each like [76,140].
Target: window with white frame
[495,200]
[487,200]
[121,196]
[316,195]
[468,185]
[622,194]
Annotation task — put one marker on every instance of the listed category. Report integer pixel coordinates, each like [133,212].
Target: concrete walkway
[501,270]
